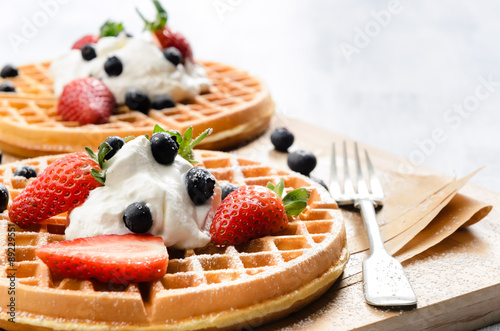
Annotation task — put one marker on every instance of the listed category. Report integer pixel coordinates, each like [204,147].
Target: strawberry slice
[86,101]
[108,258]
[164,35]
[87,39]
[63,185]
[255,211]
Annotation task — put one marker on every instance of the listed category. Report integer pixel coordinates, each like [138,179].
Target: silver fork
[384,280]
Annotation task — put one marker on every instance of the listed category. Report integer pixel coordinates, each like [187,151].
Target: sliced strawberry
[87,101]
[166,37]
[255,211]
[62,186]
[88,39]
[109,258]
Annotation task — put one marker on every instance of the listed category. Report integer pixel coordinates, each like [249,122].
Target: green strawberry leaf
[127,139]
[296,201]
[160,20]
[92,155]
[111,29]
[278,189]
[104,148]
[100,176]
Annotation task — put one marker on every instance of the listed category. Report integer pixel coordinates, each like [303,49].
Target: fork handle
[367,208]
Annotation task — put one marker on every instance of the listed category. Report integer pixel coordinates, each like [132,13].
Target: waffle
[238,107]
[204,288]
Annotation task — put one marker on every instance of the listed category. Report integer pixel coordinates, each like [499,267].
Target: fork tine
[334,178]
[348,187]
[362,188]
[374,181]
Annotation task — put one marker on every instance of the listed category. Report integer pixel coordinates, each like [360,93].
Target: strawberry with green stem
[62,186]
[164,35]
[253,211]
[108,29]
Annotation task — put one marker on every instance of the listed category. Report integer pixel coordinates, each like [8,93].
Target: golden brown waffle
[238,107]
[209,287]
[33,82]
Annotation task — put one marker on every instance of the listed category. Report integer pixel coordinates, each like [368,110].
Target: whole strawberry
[85,40]
[165,36]
[62,186]
[87,101]
[109,258]
[255,211]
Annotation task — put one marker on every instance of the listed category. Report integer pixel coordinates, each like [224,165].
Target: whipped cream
[144,67]
[133,175]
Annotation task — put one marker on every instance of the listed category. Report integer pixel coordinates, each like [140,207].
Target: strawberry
[255,211]
[165,36]
[109,28]
[62,186]
[87,101]
[87,39]
[108,258]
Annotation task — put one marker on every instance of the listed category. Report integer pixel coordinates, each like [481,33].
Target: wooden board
[457,281]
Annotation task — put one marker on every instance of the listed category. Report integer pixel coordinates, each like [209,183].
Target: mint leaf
[111,29]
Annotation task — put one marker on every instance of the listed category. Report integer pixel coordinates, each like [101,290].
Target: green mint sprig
[111,29]
[185,141]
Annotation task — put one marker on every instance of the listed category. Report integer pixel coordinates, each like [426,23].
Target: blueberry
[4,197]
[116,144]
[173,55]
[164,147]
[227,188]
[137,100]
[88,53]
[302,161]
[0,156]
[163,102]
[320,182]
[7,87]
[25,171]
[137,217]
[113,66]
[200,184]
[9,71]
[282,139]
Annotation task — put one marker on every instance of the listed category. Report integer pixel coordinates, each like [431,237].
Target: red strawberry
[88,39]
[109,258]
[109,28]
[165,36]
[63,185]
[87,101]
[255,211]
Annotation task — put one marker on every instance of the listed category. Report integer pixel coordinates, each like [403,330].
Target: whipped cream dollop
[133,175]
[144,67]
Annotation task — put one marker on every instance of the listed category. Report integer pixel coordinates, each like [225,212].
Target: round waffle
[209,287]
[238,107]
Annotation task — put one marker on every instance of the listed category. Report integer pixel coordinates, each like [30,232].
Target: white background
[392,92]
[412,62]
